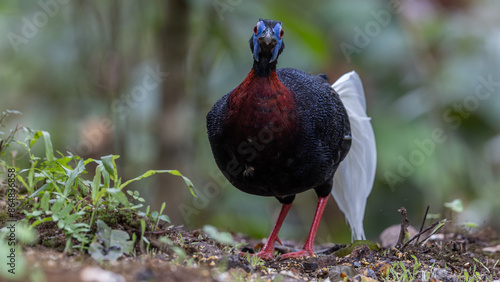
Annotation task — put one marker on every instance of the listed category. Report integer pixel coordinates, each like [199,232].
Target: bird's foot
[265,255]
[299,254]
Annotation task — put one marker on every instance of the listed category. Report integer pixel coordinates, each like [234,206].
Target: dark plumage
[280,132]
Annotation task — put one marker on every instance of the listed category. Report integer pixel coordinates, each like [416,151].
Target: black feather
[300,159]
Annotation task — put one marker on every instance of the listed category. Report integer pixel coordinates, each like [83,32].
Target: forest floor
[199,255]
[91,228]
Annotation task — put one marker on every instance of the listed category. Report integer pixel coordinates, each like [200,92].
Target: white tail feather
[354,178]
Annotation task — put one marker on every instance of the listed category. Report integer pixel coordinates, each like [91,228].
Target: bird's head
[266,42]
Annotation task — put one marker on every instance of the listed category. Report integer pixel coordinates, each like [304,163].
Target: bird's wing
[354,178]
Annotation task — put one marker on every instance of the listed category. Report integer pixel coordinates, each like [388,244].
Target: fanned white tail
[354,178]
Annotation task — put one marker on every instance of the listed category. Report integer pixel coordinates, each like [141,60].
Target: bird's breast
[262,108]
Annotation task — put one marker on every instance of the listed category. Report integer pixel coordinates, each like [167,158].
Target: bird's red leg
[308,247]
[267,252]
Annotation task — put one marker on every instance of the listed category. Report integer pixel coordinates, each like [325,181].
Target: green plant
[455,205]
[399,272]
[255,261]
[5,143]
[156,216]
[224,238]
[181,254]
[416,266]
[143,238]
[218,236]
[57,190]
[484,266]
[476,276]
[110,244]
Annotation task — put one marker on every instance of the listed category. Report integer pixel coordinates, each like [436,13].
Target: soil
[444,258]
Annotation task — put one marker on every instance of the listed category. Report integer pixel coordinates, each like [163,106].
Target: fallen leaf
[495,249]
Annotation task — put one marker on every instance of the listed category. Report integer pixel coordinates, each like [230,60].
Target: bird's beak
[268,38]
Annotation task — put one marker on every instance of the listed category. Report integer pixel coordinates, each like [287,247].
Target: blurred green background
[136,78]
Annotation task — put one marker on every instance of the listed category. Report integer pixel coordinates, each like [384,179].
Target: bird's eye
[255,30]
[281,33]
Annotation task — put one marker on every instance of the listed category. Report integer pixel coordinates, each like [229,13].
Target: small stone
[339,272]
[235,261]
[382,268]
[289,273]
[310,266]
[495,249]
[441,273]
[389,237]
[369,273]
[145,275]
[363,278]
[96,274]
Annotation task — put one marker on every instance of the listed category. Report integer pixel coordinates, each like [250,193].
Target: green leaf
[53,181]
[36,213]
[164,217]
[89,160]
[84,186]
[60,224]
[35,138]
[106,179]
[64,213]
[110,165]
[57,206]
[153,172]
[72,177]
[96,184]
[31,176]
[456,205]
[49,151]
[118,195]
[188,182]
[470,224]
[116,243]
[44,202]
[104,232]
[441,223]
[221,237]
[45,186]
[143,227]
[20,179]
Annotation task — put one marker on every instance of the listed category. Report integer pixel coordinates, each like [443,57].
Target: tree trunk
[172,125]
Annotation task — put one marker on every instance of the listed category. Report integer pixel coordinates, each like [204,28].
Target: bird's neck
[263,68]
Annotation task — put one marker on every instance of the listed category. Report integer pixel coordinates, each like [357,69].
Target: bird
[283,131]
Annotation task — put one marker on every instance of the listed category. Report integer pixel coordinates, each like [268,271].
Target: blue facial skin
[277,31]
[261,27]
